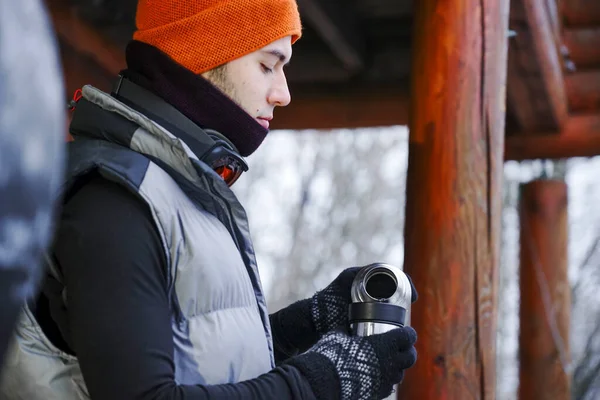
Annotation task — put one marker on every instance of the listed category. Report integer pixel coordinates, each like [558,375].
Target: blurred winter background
[321,201]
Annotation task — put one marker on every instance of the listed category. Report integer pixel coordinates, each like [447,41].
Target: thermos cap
[377,312]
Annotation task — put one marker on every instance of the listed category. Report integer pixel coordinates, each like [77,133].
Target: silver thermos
[381,299]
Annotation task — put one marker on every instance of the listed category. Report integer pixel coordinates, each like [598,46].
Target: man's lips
[264,122]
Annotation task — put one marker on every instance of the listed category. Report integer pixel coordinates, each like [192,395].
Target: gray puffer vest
[219,319]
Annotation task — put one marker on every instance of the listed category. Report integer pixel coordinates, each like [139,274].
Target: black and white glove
[329,307]
[300,325]
[346,367]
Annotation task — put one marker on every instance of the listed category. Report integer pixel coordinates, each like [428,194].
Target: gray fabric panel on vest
[221,324]
[34,369]
[114,127]
[161,143]
[241,233]
[146,143]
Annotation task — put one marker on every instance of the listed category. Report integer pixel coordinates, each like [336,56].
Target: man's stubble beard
[219,77]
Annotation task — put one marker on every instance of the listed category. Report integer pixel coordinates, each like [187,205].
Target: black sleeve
[119,318]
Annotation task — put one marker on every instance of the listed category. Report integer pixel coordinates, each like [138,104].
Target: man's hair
[218,76]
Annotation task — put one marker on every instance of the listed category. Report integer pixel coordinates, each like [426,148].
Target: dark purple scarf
[193,96]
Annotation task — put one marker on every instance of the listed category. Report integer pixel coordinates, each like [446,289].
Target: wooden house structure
[478,82]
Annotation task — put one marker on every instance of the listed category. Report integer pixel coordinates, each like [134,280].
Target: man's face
[257,80]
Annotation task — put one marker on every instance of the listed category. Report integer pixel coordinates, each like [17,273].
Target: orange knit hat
[203,34]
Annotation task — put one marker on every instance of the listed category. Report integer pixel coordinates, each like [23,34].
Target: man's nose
[280,93]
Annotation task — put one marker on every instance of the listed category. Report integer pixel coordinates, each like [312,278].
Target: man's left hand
[329,307]
[300,325]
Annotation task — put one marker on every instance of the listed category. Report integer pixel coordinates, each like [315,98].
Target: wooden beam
[581,13]
[453,197]
[311,66]
[338,27]
[80,69]
[583,46]
[374,9]
[545,292]
[554,18]
[535,80]
[344,107]
[583,90]
[71,29]
[580,137]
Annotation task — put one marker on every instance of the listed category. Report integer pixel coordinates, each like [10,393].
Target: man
[154,291]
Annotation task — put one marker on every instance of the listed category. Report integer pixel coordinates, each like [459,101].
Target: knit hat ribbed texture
[204,34]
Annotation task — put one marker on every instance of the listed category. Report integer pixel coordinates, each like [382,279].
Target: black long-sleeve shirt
[118,314]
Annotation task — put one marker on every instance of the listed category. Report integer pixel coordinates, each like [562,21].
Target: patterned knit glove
[347,367]
[329,307]
[300,325]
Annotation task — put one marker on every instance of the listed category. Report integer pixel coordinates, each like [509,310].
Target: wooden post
[545,292]
[452,233]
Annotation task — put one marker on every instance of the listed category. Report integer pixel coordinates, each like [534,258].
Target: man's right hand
[365,367]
